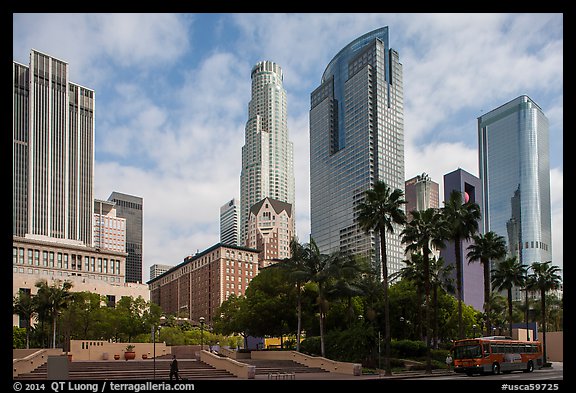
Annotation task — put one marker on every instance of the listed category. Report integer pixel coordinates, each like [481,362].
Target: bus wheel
[530,367]
[495,369]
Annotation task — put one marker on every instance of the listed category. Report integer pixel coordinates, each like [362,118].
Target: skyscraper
[230,223]
[472,273]
[267,155]
[130,207]
[421,193]
[53,152]
[514,158]
[356,139]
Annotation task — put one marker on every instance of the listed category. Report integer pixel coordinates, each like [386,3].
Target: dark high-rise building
[356,139]
[472,273]
[130,208]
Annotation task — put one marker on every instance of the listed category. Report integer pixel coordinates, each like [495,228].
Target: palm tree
[309,265]
[379,209]
[463,221]
[424,233]
[544,278]
[508,274]
[486,248]
[349,271]
[51,300]
[23,306]
[300,275]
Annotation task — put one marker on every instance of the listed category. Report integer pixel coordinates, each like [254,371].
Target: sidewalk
[330,376]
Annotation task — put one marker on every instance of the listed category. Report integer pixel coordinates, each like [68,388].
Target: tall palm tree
[424,233]
[544,278]
[487,248]
[23,306]
[463,221]
[380,208]
[508,274]
[52,299]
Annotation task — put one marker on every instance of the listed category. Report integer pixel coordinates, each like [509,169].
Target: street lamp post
[201,319]
[154,329]
[154,349]
[474,331]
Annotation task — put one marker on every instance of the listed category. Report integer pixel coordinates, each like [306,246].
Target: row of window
[59,273]
[60,260]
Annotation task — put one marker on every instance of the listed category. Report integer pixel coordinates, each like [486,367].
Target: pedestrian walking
[174,368]
[449,362]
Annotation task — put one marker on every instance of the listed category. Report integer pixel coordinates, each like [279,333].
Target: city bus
[496,354]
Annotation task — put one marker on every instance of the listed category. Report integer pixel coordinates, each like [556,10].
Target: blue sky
[172,93]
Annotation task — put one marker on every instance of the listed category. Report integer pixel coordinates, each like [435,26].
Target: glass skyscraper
[514,163]
[268,154]
[356,139]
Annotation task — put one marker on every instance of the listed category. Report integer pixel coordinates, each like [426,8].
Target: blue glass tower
[356,139]
[514,158]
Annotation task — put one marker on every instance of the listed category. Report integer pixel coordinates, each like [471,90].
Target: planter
[116,357]
[129,355]
[69,357]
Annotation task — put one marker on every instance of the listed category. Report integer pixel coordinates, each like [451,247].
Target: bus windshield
[467,351]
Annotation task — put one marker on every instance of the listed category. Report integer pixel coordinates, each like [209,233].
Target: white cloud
[171,112]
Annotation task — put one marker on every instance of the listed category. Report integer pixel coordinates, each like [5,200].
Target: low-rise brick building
[201,283]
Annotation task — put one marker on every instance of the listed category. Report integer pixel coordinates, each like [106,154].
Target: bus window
[467,351]
[486,349]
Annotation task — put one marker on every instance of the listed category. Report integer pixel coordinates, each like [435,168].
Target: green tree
[544,277]
[347,281]
[462,219]
[487,248]
[508,274]
[51,300]
[232,316]
[321,268]
[378,211]
[130,313]
[424,233]
[23,306]
[299,274]
[440,278]
[270,303]
[414,272]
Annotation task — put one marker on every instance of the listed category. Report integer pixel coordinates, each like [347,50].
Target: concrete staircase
[280,366]
[190,369]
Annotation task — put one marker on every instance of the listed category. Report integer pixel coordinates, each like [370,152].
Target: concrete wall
[26,360]
[104,350]
[310,361]
[555,346]
[241,370]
